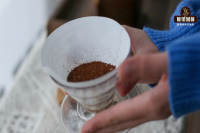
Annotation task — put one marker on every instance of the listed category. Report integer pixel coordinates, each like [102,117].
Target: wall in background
[20,23]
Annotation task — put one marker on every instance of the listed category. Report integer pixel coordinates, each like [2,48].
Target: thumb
[141,68]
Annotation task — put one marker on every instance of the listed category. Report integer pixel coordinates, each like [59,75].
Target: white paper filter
[80,41]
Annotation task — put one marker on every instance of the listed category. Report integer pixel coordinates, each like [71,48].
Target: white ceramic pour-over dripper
[81,41]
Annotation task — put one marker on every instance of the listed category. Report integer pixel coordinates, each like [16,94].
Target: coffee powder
[89,71]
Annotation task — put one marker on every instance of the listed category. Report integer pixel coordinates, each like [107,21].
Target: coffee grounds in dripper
[89,71]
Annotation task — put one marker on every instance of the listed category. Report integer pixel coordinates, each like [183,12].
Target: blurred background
[21,22]
[24,25]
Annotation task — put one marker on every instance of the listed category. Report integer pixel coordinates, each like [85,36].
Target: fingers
[158,109]
[160,93]
[123,87]
[135,35]
[140,41]
[125,111]
[151,105]
[141,68]
[128,74]
[123,126]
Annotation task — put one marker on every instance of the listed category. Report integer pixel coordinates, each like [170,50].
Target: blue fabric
[184,75]
[152,85]
[183,46]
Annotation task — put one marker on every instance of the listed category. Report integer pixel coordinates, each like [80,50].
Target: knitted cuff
[163,38]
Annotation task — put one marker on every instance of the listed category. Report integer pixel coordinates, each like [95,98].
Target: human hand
[140,41]
[129,72]
[146,68]
[149,106]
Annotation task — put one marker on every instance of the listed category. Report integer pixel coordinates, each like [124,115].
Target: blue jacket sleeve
[162,38]
[184,75]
